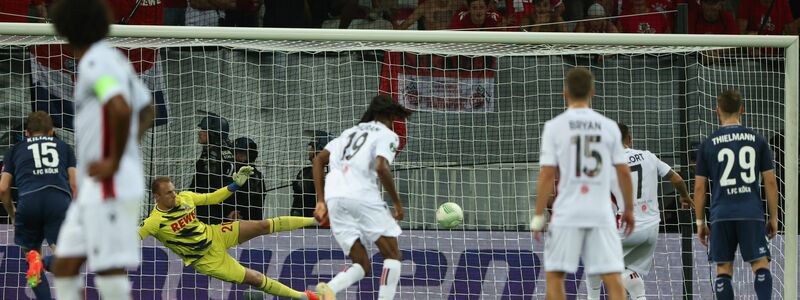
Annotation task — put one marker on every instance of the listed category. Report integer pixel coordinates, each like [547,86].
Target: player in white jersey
[113,110]
[639,247]
[351,198]
[585,149]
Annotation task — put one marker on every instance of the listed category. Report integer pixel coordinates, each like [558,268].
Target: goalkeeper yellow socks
[275,288]
[288,223]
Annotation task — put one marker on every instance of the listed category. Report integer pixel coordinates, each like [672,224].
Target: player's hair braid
[384,106]
[81,22]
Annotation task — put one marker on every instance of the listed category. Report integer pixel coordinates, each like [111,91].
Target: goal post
[481,100]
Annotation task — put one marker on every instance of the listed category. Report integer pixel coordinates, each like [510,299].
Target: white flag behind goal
[474,140]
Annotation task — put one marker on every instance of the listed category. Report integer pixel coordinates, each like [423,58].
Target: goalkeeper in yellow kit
[174,223]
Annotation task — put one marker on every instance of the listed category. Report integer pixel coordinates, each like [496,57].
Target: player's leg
[614,288]
[250,229]
[56,212]
[350,275]
[346,231]
[392,266]
[378,226]
[273,287]
[638,250]
[29,232]
[555,286]
[763,279]
[70,255]
[217,263]
[51,216]
[722,248]
[562,253]
[594,285]
[111,234]
[754,246]
[602,255]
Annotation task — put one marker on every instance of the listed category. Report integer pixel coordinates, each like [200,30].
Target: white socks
[389,279]
[113,287]
[69,288]
[346,278]
[593,285]
[634,284]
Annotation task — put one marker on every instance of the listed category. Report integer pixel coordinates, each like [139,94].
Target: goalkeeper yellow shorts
[217,262]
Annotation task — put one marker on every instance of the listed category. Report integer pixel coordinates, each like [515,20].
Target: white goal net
[473,140]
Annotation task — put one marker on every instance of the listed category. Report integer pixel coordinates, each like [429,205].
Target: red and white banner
[446,94]
[425,82]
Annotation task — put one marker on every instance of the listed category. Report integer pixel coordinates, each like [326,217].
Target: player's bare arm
[5,195]
[700,209]
[544,191]
[119,122]
[318,171]
[771,189]
[626,187]
[146,116]
[387,181]
[680,186]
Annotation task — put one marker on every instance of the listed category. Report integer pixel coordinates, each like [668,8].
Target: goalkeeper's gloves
[240,178]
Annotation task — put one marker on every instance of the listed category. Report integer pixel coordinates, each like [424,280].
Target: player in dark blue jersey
[43,169]
[735,158]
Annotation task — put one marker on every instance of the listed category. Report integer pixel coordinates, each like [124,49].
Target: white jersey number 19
[353,146]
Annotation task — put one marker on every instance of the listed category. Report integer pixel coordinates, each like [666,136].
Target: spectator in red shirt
[751,17]
[476,16]
[711,18]
[596,11]
[545,14]
[17,11]
[647,23]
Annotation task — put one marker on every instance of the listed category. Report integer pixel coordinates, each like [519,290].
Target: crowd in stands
[765,17]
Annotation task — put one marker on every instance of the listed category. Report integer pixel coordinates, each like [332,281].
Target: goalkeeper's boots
[325,292]
[35,268]
[310,295]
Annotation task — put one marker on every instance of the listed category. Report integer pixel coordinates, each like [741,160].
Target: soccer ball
[449,215]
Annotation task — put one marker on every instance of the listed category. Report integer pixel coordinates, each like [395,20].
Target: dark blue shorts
[39,217]
[749,236]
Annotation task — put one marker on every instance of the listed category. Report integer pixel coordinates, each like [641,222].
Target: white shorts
[353,219]
[638,249]
[600,249]
[105,233]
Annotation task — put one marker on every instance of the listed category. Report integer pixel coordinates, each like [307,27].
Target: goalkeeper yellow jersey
[179,229]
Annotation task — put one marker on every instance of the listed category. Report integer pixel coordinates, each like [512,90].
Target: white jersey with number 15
[351,167]
[585,146]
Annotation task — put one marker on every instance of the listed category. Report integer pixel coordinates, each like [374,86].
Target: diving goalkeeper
[174,223]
